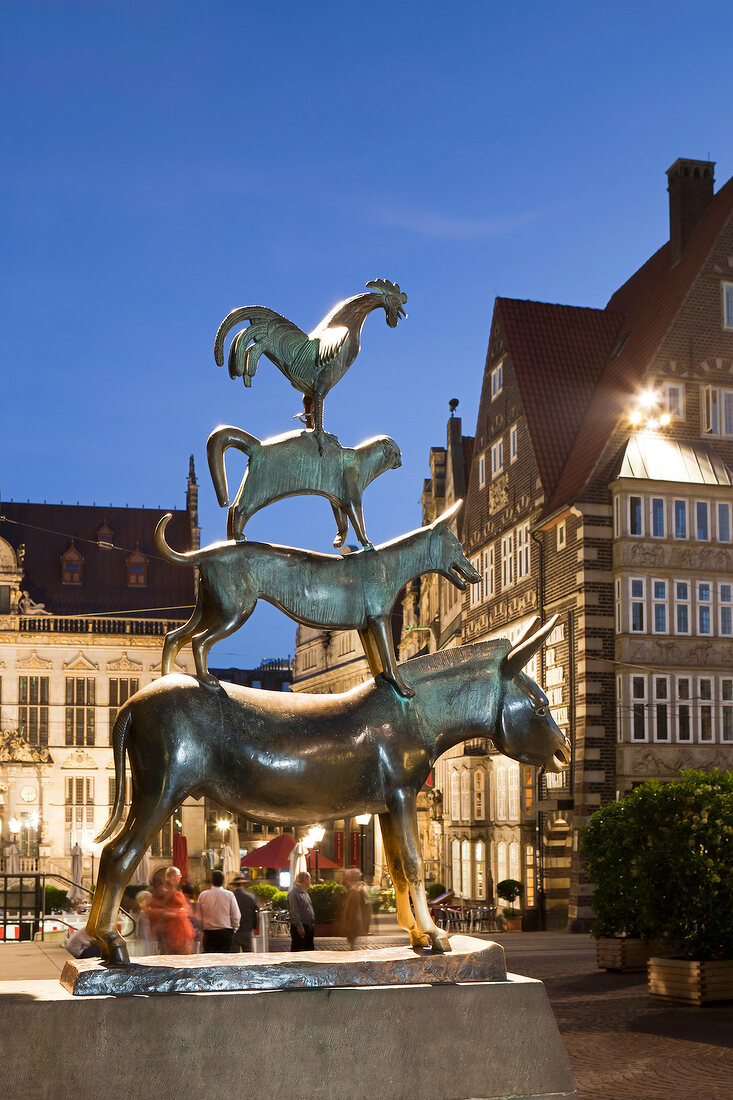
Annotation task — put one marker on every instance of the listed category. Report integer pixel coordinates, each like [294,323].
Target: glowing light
[363,819]
[223,825]
[14,825]
[635,417]
[652,424]
[649,399]
[316,833]
[665,419]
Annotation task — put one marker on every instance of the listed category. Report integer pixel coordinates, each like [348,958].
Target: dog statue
[294,465]
[355,592]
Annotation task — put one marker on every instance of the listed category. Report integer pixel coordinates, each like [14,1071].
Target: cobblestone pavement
[622,1043]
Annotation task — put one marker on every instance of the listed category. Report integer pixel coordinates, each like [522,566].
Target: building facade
[600,492]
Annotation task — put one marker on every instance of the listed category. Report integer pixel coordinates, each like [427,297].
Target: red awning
[323,862]
[276,853]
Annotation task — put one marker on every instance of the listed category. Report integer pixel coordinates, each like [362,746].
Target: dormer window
[105,536]
[71,563]
[137,570]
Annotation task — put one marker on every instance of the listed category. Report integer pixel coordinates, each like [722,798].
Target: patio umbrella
[76,892]
[228,863]
[276,853]
[180,855]
[142,871]
[234,844]
[298,860]
[12,859]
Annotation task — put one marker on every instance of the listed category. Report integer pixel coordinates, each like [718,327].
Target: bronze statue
[357,591]
[312,362]
[290,465]
[291,759]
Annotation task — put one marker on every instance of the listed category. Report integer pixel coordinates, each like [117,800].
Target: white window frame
[640,533]
[455,795]
[701,602]
[639,701]
[682,603]
[726,710]
[706,505]
[488,573]
[507,560]
[497,457]
[497,379]
[725,601]
[724,506]
[713,402]
[513,443]
[619,607]
[706,705]
[501,793]
[513,779]
[652,534]
[686,513]
[662,699]
[617,518]
[476,591]
[524,558]
[674,406]
[619,708]
[482,471]
[686,702]
[657,600]
[466,796]
[479,794]
[637,600]
[726,290]
[562,535]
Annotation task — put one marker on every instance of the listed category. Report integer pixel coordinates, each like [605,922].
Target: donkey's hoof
[419,939]
[115,954]
[210,680]
[440,943]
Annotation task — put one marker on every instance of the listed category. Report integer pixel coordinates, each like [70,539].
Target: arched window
[455,859]
[455,800]
[71,563]
[137,570]
[466,868]
[514,869]
[501,864]
[513,792]
[465,795]
[501,793]
[479,802]
[480,870]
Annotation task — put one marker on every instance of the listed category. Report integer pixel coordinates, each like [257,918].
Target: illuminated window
[475,592]
[529,876]
[455,797]
[513,792]
[71,563]
[33,708]
[120,690]
[80,703]
[479,798]
[137,570]
[480,870]
[466,869]
[79,812]
[465,795]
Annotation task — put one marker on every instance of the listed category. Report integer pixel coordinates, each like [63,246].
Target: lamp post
[316,834]
[362,821]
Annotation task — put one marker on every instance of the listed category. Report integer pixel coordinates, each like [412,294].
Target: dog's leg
[215,632]
[382,636]
[176,639]
[342,526]
[356,515]
[370,651]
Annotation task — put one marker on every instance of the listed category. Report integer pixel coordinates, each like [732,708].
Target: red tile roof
[47,530]
[558,353]
[648,303]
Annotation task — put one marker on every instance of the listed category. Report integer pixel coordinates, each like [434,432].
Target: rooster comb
[388,289]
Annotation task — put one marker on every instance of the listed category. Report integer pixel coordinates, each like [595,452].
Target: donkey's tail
[217,444]
[119,745]
[190,557]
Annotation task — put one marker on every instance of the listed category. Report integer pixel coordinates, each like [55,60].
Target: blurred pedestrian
[302,917]
[356,915]
[168,913]
[144,930]
[190,895]
[249,912]
[218,915]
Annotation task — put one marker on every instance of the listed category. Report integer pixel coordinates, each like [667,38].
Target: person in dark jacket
[249,914]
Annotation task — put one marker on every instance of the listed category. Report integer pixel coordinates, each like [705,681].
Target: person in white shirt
[218,915]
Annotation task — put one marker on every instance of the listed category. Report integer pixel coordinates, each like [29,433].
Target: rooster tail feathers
[220,440]
[244,355]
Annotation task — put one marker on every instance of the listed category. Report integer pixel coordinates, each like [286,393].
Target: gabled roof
[48,531]
[558,353]
[651,457]
[648,304]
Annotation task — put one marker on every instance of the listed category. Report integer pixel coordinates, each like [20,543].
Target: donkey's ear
[528,630]
[447,518]
[525,649]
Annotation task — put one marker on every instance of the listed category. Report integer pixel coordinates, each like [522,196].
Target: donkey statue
[294,759]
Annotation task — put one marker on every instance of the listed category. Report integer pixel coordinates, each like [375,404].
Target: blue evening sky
[164,162]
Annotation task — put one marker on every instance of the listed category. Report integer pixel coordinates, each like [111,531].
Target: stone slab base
[483,1041]
[469,960]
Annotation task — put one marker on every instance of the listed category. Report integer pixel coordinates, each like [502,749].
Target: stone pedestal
[484,1040]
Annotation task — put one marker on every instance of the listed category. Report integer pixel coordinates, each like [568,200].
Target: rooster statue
[313,363]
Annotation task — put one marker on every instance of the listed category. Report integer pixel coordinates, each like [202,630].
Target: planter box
[624,953]
[691,981]
[513,924]
[326,930]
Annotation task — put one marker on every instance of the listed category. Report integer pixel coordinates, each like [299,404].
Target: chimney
[690,189]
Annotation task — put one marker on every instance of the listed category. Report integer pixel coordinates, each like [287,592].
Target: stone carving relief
[80,663]
[641,553]
[660,651]
[702,369]
[15,749]
[499,493]
[79,759]
[124,664]
[33,662]
[671,760]
[701,557]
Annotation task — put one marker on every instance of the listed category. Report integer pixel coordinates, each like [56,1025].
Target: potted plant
[673,863]
[510,889]
[328,899]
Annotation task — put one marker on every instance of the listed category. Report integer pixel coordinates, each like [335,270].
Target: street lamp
[362,821]
[315,835]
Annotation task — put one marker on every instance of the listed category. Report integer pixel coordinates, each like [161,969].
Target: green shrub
[263,891]
[510,889]
[327,898]
[435,890]
[662,862]
[387,901]
[280,900]
[56,898]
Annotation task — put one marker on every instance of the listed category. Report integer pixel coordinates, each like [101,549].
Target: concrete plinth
[485,1040]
